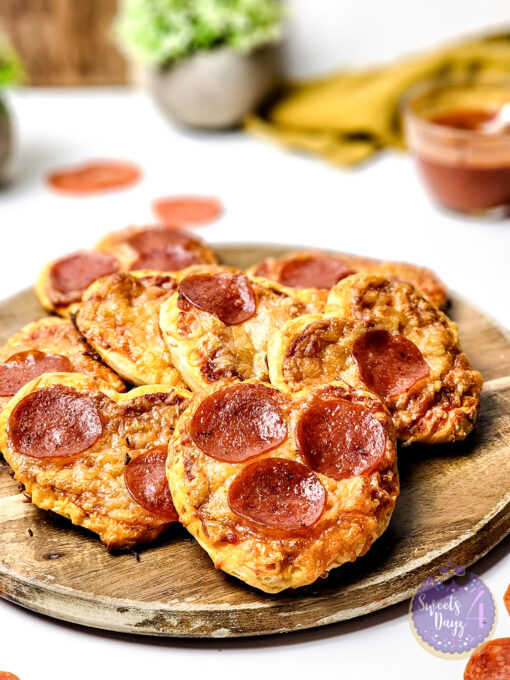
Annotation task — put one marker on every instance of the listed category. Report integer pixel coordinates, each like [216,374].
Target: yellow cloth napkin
[349,116]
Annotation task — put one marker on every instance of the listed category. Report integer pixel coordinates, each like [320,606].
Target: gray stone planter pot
[5,142]
[215,89]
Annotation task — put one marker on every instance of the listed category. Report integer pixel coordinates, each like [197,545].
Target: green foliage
[162,31]
[10,65]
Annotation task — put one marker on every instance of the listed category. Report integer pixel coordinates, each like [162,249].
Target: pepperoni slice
[164,249]
[91,178]
[229,296]
[388,363]
[490,661]
[316,271]
[160,239]
[171,260]
[507,599]
[22,367]
[183,210]
[54,422]
[4,675]
[72,275]
[238,423]
[279,494]
[340,439]
[145,479]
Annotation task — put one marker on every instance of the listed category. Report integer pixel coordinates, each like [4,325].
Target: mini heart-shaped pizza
[93,455]
[386,337]
[156,247]
[316,273]
[119,317]
[218,323]
[279,489]
[62,283]
[49,345]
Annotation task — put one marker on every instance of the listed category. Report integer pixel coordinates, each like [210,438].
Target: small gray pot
[216,89]
[5,142]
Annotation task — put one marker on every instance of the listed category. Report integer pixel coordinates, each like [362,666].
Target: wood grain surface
[65,42]
[454,504]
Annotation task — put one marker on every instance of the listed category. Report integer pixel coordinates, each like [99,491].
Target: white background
[270,195]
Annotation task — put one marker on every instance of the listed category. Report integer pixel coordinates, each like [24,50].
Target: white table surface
[272,196]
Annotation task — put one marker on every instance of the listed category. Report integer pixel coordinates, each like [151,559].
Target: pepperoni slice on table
[22,367]
[238,423]
[490,661]
[183,210]
[4,675]
[54,422]
[72,275]
[229,296]
[340,439]
[279,494]
[507,599]
[94,177]
[145,479]
[317,271]
[388,363]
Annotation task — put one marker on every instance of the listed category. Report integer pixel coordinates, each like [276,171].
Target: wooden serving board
[454,505]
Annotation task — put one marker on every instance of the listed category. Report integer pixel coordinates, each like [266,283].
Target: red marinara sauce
[467,184]
[463,156]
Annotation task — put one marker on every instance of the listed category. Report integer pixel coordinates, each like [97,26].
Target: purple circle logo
[450,618]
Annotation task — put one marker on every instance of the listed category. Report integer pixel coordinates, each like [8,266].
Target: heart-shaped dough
[218,323]
[279,489]
[76,445]
[49,345]
[119,317]
[386,337]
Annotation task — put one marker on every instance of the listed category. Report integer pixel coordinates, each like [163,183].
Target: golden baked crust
[119,317]
[118,244]
[424,279]
[206,351]
[439,407]
[89,489]
[356,512]
[57,336]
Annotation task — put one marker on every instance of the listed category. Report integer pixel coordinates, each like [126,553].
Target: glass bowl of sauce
[458,131]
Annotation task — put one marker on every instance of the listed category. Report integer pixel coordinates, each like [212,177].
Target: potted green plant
[10,72]
[209,62]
